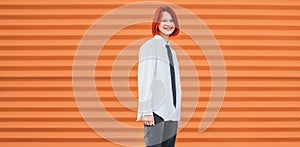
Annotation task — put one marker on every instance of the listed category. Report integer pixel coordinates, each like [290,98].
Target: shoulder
[148,47]
[150,43]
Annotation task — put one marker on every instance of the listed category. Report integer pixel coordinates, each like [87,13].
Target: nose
[168,22]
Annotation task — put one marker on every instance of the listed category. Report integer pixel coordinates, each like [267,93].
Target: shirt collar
[160,37]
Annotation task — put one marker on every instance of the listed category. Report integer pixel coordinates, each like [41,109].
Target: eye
[165,20]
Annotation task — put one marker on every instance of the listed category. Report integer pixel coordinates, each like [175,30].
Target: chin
[168,33]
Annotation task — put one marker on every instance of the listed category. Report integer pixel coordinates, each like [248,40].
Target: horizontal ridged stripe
[47,68]
[217,27]
[120,37]
[119,129]
[227,109]
[117,47]
[130,140]
[198,119]
[135,88]
[113,6]
[135,16]
[109,99]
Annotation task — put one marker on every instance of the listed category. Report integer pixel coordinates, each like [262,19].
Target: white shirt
[154,81]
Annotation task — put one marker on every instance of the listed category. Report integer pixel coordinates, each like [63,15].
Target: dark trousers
[162,134]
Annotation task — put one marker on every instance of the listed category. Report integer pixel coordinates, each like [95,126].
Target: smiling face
[166,26]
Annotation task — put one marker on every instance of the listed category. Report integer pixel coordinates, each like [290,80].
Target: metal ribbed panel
[259,40]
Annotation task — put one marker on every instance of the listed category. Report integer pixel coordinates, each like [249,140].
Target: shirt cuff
[147,113]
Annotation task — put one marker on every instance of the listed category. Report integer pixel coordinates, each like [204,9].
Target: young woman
[159,82]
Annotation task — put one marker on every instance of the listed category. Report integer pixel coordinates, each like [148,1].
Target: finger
[151,122]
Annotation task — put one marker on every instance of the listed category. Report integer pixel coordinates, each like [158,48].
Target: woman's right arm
[146,72]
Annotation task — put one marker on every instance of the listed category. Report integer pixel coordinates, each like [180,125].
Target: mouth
[168,28]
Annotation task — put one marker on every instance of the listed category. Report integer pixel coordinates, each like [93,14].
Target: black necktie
[172,72]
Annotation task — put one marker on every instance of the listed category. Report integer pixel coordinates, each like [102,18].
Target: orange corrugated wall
[259,40]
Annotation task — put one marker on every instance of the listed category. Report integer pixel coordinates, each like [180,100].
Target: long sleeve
[146,73]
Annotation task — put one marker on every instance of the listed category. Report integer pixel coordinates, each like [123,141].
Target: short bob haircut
[157,19]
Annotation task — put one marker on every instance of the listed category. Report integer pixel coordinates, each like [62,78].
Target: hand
[148,119]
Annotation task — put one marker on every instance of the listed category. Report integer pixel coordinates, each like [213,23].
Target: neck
[166,37]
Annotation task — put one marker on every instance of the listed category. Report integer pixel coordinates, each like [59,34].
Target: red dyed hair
[157,19]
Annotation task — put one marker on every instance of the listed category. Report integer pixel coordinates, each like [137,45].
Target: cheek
[160,27]
[173,24]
